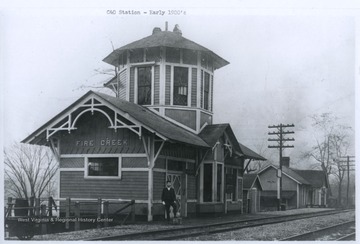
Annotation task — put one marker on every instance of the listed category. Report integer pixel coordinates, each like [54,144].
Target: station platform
[156,225]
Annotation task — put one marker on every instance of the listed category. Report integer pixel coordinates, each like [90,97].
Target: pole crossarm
[284,139]
[281,125]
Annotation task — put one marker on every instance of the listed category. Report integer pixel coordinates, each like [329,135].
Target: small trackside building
[301,188]
[157,127]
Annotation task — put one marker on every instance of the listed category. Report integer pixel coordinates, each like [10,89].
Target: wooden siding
[191,187]
[132,162]
[202,90]
[191,208]
[212,93]
[159,184]
[160,163]
[205,118]
[234,206]
[178,151]
[133,185]
[167,84]
[269,181]
[122,88]
[72,163]
[156,84]
[240,189]
[220,151]
[93,136]
[132,84]
[185,117]
[194,87]
[210,208]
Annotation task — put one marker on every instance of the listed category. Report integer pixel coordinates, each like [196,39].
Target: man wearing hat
[168,199]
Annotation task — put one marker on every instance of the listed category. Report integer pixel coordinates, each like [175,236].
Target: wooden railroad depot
[158,126]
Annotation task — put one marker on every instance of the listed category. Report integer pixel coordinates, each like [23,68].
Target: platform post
[67,212]
[98,212]
[44,224]
[77,215]
[106,213]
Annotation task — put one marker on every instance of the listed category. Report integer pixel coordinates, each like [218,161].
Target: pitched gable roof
[249,181]
[156,122]
[250,153]
[147,118]
[211,134]
[288,172]
[164,39]
[317,178]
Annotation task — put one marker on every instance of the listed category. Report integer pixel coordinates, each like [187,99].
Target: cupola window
[206,91]
[137,56]
[181,85]
[153,54]
[144,85]
[189,57]
[172,55]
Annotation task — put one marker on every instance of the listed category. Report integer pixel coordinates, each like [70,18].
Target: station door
[176,183]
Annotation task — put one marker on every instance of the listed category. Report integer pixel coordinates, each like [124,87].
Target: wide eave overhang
[164,39]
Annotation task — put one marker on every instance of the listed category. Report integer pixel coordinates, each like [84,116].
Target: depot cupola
[168,74]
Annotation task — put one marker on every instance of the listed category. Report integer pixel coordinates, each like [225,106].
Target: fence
[67,211]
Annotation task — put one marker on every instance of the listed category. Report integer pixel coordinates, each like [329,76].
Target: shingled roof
[211,134]
[154,121]
[288,172]
[249,181]
[317,178]
[250,153]
[164,39]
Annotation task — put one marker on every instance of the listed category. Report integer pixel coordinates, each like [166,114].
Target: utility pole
[348,161]
[280,145]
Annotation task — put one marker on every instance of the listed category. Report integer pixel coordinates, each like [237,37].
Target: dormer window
[181,85]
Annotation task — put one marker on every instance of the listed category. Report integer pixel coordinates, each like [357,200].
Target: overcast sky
[283,67]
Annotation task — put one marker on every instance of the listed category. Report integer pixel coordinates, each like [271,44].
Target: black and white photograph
[207,121]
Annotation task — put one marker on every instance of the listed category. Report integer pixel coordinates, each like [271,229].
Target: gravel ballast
[268,232]
[280,231]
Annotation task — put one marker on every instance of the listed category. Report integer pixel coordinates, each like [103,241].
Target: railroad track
[349,237]
[342,231]
[192,231]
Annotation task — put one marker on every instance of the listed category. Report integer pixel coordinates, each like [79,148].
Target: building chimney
[166,26]
[285,161]
[156,30]
[177,30]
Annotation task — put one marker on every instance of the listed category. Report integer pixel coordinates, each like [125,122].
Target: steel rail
[197,230]
[314,234]
[348,237]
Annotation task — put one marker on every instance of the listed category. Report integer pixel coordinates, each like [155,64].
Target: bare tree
[331,142]
[29,170]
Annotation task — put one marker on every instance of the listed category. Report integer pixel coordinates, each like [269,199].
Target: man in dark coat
[168,199]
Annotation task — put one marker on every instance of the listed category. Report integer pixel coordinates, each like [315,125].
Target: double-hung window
[206,91]
[181,85]
[144,85]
